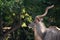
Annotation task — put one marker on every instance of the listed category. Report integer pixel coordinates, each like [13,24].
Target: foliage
[22,12]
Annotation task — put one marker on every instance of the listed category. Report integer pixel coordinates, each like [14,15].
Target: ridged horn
[46,11]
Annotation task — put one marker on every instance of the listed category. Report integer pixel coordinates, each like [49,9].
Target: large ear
[46,11]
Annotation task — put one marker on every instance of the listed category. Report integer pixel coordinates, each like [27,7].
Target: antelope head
[39,18]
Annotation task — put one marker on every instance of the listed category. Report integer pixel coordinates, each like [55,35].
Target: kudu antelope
[39,28]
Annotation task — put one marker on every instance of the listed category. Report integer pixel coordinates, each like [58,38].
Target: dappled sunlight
[24,24]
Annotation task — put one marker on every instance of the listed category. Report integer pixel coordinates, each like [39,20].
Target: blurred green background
[19,13]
